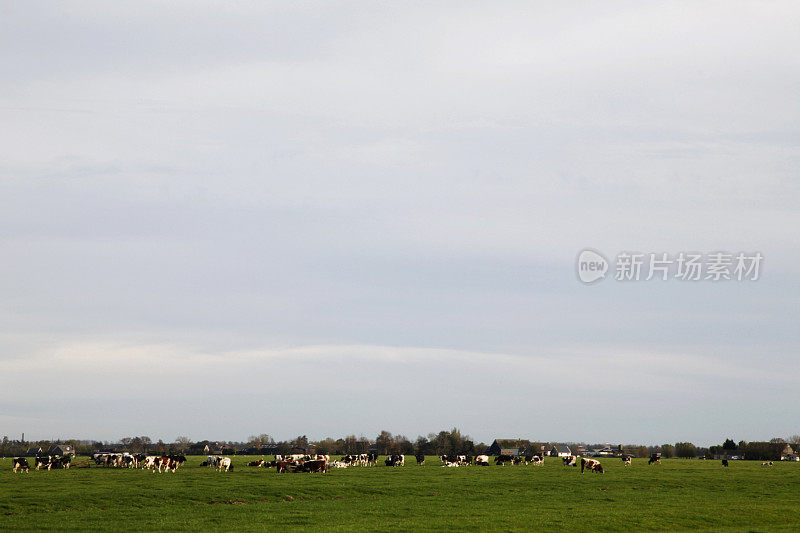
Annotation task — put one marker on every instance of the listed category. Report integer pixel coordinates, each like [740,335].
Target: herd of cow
[47,462]
[306,463]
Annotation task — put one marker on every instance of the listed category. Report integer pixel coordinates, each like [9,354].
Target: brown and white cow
[592,464]
[313,466]
[570,460]
[626,460]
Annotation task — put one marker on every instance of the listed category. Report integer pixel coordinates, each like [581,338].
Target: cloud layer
[370,214]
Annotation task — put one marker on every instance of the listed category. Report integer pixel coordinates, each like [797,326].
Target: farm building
[508,446]
[61,449]
[215,449]
[560,450]
[787,453]
[34,452]
[266,449]
[602,452]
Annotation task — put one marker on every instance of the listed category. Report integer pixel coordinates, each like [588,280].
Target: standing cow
[19,463]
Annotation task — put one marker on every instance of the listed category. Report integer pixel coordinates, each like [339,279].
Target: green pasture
[676,495]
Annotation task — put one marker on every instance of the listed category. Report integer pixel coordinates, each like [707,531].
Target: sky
[329,218]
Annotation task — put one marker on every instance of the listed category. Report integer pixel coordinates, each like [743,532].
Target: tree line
[448,442]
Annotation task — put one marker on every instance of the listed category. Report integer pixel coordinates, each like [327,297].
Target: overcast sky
[226,219]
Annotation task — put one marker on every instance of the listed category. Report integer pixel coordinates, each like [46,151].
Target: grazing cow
[535,459]
[19,463]
[313,466]
[46,462]
[503,459]
[420,458]
[149,462]
[626,460]
[372,459]
[449,460]
[592,464]
[654,459]
[724,462]
[767,463]
[224,463]
[570,460]
[178,459]
[482,460]
[212,460]
[283,466]
[260,462]
[395,459]
[167,463]
[61,462]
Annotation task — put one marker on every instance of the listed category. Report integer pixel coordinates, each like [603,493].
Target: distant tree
[326,447]
[422,446]
[351,444]
[794,440]
[402,445]
[777,440]
[667,451]
[300,442]
[763,451]
[182,443]
[384,442]
[685,449]
[729,445]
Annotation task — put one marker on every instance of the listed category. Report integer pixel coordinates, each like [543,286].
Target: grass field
[678,494]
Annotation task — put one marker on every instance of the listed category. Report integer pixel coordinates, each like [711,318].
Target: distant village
[442,443]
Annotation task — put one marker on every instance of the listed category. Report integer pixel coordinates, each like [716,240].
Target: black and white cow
[724,462]
[570,460]
[61,462]
[395,459]
[420,458]
[482,460]
[44,461]
[19,463]
[536,459]
[626,460]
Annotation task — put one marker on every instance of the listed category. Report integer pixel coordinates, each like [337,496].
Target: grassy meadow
[676,495]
